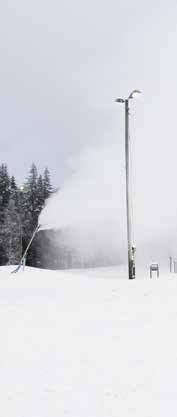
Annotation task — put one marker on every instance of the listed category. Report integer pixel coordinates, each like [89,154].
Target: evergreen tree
[31,195]
[40,194]
[33,204]
[11,234]
[47,184]
[14,190]
[4,186]
[13,185]
[19,212]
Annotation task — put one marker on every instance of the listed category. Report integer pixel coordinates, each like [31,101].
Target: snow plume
[90,208]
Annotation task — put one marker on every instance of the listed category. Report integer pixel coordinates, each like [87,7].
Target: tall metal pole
[131,248]
[131,262]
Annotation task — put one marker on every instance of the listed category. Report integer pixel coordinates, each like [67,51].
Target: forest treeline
[20,207]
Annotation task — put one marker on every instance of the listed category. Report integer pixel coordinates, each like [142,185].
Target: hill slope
[87,344]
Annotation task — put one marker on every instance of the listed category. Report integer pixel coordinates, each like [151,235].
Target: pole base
[131,269]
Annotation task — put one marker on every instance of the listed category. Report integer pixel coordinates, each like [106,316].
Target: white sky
[62,65]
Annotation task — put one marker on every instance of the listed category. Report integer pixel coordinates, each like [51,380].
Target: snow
[87,344]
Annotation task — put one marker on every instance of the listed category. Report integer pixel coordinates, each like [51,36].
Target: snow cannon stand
[22,262]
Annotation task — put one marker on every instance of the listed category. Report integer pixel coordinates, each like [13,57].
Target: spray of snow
[91,205]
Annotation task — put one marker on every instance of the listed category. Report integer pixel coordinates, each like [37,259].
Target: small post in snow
[154,267]
[175,266]
[171,263]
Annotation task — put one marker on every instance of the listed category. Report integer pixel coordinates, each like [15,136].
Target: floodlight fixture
[134,94]
[120,100]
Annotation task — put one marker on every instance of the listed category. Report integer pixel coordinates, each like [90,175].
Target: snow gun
[23,259]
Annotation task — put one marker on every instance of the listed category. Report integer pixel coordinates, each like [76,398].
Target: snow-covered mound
[87,344]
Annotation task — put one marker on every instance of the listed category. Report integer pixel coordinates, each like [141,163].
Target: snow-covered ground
[87,344]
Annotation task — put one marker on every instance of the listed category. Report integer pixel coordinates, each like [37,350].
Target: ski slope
[87,344]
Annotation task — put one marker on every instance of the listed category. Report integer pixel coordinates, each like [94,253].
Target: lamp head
[134,94]
[120,100]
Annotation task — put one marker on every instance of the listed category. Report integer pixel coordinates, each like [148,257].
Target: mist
[90,207]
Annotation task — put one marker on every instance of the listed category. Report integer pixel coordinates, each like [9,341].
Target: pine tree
[32,206]
[48,189]
[19,212]
[40,194]
[4,185]
[14,190]
[11,234]
[13,186]
[31,195]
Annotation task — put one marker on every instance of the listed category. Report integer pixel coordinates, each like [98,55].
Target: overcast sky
[63,62]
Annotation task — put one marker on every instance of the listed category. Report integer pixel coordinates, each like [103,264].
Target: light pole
[131,248]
